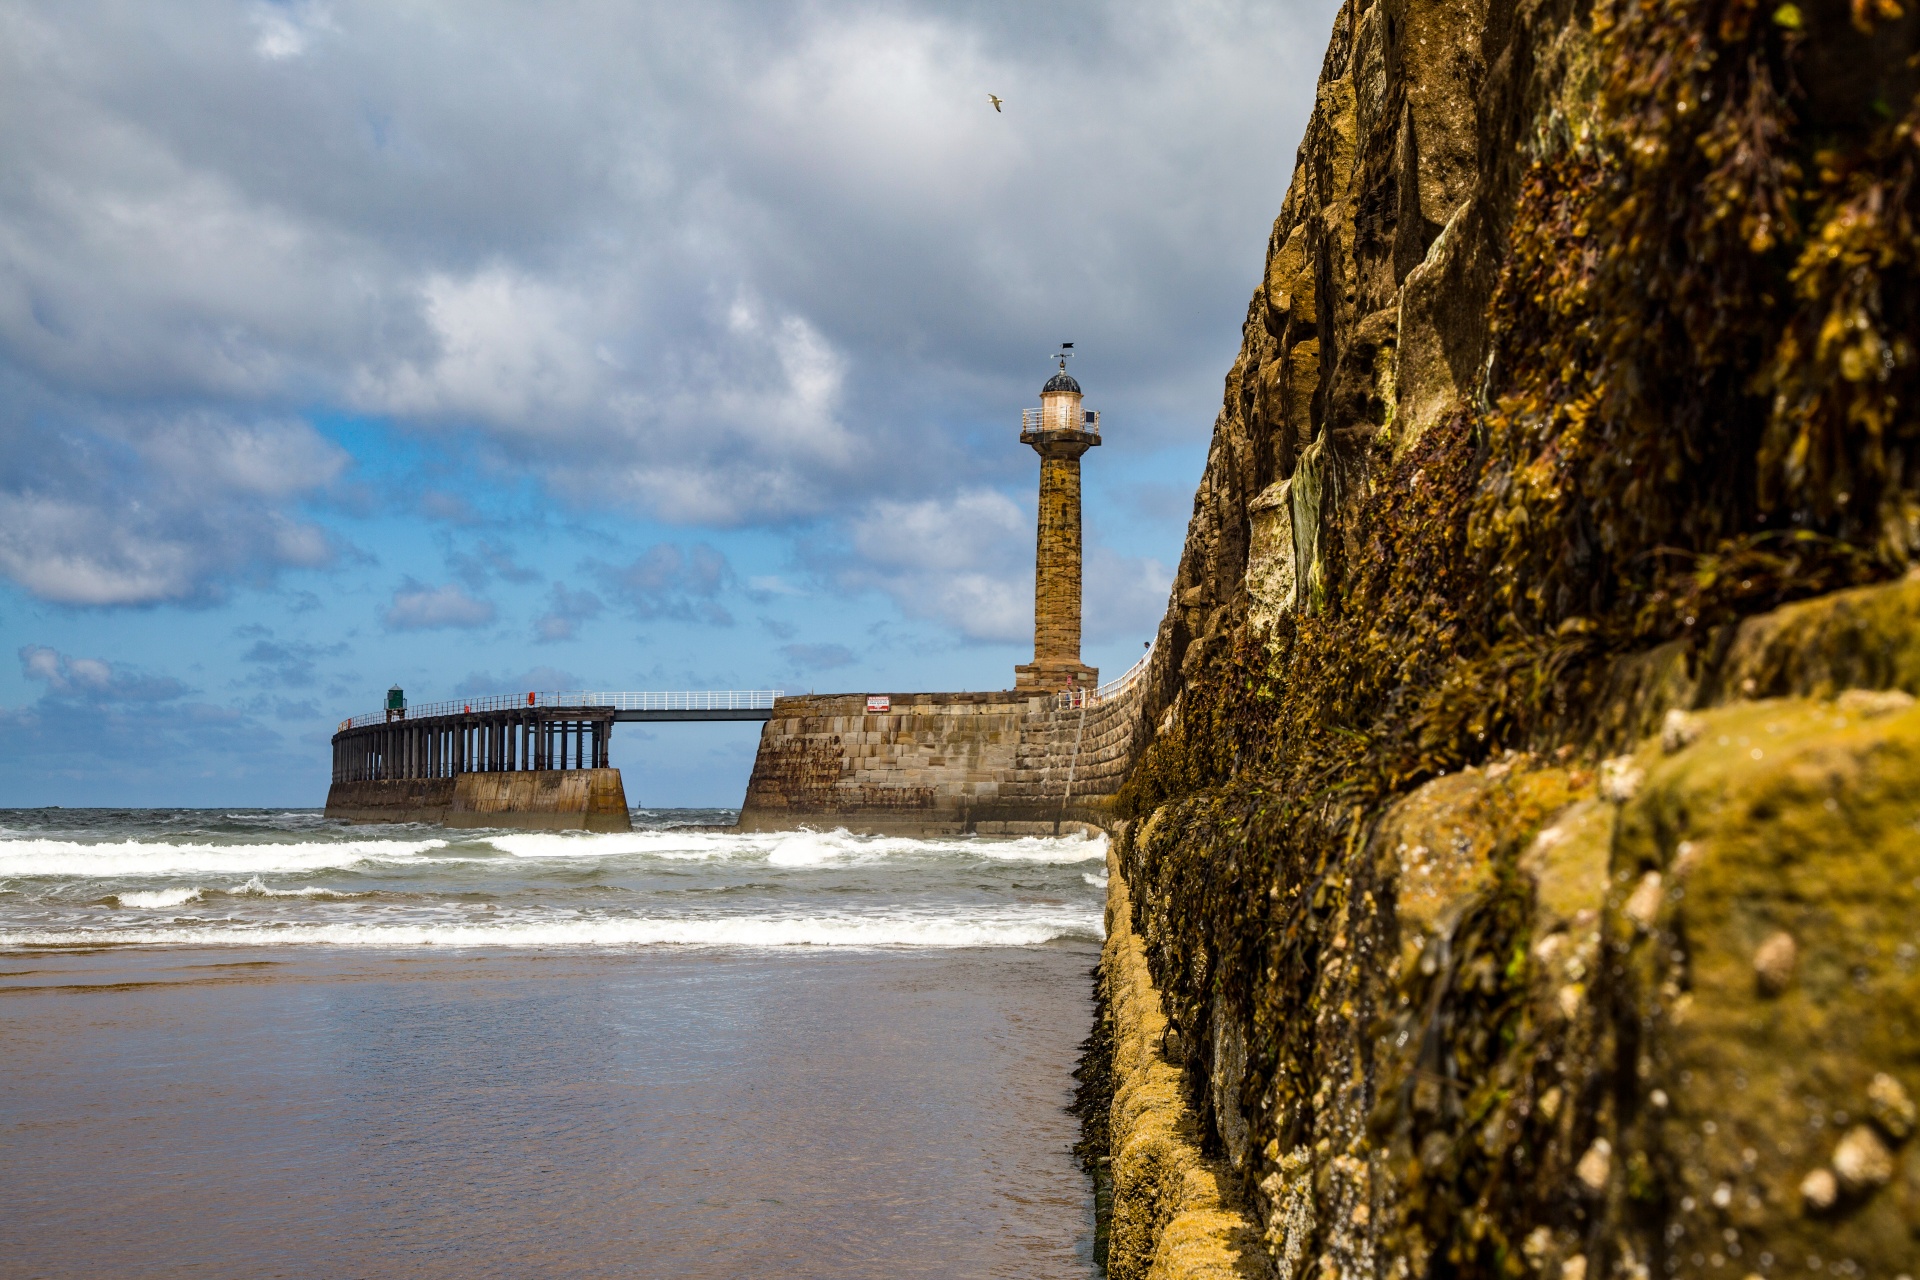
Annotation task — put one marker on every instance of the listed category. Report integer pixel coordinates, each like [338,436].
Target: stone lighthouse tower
[1059,431]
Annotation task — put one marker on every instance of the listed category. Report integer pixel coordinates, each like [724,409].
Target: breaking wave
[157,899]
[710,931]
[128,858]
[181,877]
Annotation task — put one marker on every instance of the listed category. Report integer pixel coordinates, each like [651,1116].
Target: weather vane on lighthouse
[1060,430]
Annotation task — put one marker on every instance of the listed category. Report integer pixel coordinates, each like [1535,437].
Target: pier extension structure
[534,760]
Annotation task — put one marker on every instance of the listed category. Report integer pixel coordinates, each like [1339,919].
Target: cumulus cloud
[145,508]
[505,348]
[416,606]
[966,561]
[724,264]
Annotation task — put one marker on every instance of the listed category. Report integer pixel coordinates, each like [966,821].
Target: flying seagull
[995,100]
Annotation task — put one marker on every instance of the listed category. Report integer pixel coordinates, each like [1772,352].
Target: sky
[482,347]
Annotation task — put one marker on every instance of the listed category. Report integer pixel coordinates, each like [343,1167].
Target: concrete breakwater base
[531,800]
[1007,763]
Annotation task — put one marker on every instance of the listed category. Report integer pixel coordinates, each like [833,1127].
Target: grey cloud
[486,561]
[92,679]
[723,263]
[668,581]
[416,606]
[287,30]
[568,609]
[288,664]
[818,657]
[133,729]
[453,508]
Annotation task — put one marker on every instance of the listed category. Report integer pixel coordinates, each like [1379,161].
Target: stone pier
[1012,763]
[536,767]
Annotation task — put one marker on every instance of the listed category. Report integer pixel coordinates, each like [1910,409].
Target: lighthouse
[1060,430]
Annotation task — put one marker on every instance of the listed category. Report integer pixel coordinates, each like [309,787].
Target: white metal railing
[691,700]
[1035,420]
[1067,699]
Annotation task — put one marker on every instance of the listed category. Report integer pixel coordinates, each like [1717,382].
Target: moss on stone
[1867,638]
[1794,817]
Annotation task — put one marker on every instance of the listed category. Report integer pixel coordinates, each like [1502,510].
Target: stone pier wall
[1178,1213]
[532,800]
[940,763]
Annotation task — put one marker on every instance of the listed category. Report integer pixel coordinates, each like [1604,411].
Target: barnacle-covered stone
[1819,1189]
[1891,1107]
[1773,962]
[1861,1161]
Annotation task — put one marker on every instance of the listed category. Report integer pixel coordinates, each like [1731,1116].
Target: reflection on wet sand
[434,1112]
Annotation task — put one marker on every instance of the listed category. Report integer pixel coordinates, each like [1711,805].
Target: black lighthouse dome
[1061,381]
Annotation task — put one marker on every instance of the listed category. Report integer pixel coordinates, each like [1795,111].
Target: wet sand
[655,1112]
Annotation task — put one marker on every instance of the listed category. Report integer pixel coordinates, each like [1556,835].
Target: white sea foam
[1063,849]
[657,844]
[803,848]
[159,858]
[157,899]
[815,848]
[711,931]
[1098,882]
[806,848]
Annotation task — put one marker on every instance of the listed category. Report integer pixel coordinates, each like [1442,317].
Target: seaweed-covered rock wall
[1524,847]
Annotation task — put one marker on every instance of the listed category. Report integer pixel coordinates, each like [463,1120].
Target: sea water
[257,1042]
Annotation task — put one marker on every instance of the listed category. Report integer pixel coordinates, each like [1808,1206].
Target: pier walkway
[509,733]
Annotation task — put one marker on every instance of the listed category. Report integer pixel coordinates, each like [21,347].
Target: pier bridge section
[537,760]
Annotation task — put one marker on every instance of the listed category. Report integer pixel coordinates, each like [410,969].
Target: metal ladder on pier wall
[1068,699]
